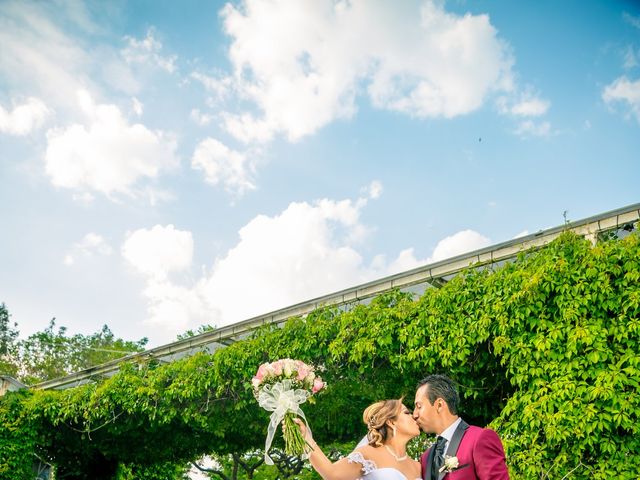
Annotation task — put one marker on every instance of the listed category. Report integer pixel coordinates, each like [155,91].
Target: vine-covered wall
[545,349]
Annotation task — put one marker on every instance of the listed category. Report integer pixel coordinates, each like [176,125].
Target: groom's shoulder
[473,431]
[476,432]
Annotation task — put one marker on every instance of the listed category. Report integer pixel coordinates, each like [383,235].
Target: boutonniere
[450,464]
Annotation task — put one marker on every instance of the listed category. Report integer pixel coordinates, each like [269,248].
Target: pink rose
[262,371]
[301,364]
[302,373]
[318,385]
[255,381]
[277,367]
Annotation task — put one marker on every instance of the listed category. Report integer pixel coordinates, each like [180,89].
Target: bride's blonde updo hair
[376,417]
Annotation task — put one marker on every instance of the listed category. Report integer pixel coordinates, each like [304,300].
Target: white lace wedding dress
[370,470]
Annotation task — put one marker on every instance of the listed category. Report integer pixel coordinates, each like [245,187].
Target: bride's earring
[394,430]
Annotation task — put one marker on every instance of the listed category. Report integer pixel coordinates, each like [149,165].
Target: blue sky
[168,164]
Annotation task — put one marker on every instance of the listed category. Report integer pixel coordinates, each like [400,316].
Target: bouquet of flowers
[281,387]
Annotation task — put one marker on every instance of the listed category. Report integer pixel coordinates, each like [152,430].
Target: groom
[478,451]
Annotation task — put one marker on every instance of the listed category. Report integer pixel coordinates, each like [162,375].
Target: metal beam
[432,273]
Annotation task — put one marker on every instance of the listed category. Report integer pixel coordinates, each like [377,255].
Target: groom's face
[425,414]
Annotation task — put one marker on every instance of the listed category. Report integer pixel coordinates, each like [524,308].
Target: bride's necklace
[393,454]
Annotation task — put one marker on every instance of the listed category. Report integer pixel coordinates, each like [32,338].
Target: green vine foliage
[545,350]
[18,438]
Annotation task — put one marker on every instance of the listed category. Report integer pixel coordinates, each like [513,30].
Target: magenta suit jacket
[480,455]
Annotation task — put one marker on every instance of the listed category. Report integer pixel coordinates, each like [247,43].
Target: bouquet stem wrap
[282,399]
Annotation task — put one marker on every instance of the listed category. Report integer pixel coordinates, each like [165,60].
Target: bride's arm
[343,469]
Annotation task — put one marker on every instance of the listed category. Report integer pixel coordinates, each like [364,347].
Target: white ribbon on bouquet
[281,398]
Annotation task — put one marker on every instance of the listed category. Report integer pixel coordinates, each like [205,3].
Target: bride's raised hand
[343,469]
[306,434]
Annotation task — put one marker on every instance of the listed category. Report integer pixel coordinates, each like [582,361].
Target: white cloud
[633,20]
[94,242]
[220,86]
[49,49]
[533,107]
[461,242]
[159,251]
[80,15]
[116,73]
[631,58]
[24,118]
[303,63]
[625,91]
[39,55]
[137,106]
[107,155]
[406,260]
[221,165]
[246,128]
[529,128]
[524,104]
[202,119]
[172,307]
[457,244]
[305,251]
[147,52]
[374,190]
[91,244]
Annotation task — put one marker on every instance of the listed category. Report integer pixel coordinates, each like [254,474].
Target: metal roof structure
[10,384]
[616,222]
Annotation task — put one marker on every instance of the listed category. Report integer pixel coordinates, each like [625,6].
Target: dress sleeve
[368,466]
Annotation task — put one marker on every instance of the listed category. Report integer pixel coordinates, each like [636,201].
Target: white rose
[289,367]
[450,463]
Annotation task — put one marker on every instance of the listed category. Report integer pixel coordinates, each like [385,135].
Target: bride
[391,426]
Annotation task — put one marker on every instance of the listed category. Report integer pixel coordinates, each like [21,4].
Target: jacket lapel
[457,438]
[428,462]
[452,449]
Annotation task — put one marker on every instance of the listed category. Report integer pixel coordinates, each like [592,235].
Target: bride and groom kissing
[461,451]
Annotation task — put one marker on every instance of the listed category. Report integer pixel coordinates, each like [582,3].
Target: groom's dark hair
[440,386]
